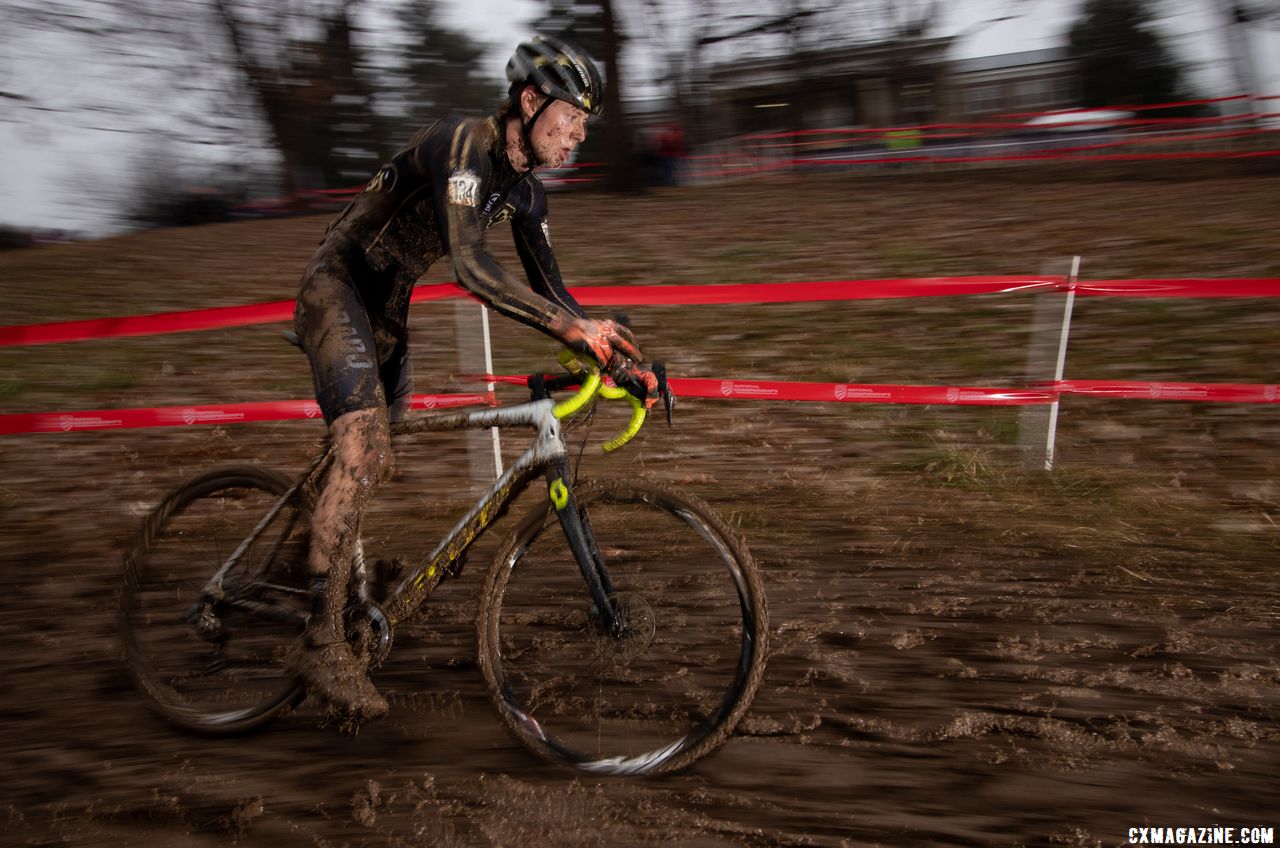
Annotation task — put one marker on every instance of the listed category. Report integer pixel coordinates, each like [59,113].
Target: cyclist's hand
[636,378]
[602,340]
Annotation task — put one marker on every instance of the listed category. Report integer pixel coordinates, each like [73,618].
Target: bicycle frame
[548,455]
[656,661]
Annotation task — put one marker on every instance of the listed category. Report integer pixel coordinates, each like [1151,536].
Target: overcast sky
[44,167]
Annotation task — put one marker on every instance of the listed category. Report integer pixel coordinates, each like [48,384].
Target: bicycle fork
[586,549]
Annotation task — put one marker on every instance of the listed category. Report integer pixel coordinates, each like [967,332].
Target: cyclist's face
[558,132]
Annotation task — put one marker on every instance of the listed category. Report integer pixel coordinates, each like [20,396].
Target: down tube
[423,580]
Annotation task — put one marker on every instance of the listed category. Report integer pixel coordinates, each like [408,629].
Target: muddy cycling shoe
[332,673]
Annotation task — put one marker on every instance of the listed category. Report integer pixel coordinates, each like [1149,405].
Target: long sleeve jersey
[438,195]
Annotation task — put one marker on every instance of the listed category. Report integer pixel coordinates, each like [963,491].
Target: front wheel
[211,656]
[668,685]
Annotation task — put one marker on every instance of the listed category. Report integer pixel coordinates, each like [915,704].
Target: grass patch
[963,466]
[912,257]
[10,389]
[1208,238]
[1005,429]
[106,381]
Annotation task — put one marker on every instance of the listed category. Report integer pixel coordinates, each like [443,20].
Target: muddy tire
[217,666]
[668,691]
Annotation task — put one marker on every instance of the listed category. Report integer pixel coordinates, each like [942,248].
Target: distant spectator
[903,139]
[670,151]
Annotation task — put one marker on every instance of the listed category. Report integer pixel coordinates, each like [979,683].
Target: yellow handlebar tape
[592,385]
[638,413]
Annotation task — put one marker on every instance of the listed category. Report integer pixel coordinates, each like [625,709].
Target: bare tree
[622,172]
[1122,59]
[304,70]
[139,92]
[432,69]
[887,40]
[185,87]
[595,26]
[145,67]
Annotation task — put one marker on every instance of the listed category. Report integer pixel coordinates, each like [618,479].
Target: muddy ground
[967,650]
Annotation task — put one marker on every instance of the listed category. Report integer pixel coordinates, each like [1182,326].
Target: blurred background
[967,650]
[116,114]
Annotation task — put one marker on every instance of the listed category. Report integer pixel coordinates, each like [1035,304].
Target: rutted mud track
[965,652]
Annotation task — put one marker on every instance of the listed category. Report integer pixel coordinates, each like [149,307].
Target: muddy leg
[362,446]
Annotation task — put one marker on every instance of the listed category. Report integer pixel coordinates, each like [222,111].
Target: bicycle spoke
[664,689]
[215,662]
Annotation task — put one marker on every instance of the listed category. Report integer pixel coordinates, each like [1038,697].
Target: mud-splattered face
[557,132]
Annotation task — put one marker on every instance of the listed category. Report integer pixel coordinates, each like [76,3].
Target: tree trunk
[622,171]
[297,96]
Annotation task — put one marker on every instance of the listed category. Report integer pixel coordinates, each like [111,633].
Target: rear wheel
[666,689]
[215,662]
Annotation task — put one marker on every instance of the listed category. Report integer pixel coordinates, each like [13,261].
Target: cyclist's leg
[397,379]
[362,442]
[397,382]
[339,341]
[325,661]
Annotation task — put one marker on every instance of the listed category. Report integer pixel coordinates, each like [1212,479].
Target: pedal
[369,633]
[208,625]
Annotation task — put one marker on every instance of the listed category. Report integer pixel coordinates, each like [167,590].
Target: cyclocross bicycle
[622,625]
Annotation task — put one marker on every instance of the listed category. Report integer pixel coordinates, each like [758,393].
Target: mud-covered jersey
[438,195]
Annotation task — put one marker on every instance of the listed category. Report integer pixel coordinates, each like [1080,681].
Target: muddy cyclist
[454,180]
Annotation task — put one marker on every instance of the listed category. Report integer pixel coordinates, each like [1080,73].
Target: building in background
[986,87]
[915,82]
[983,69]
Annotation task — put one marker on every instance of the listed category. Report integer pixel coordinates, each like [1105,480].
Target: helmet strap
[526,132]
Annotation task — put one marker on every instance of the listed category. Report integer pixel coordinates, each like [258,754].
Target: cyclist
[438,195]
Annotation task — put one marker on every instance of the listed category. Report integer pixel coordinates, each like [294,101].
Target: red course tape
[689,387]
[1211,392]
[175,322]
[1245,287]
[856,392]
[52,422]
[660,295]
[179,416]
[146,325]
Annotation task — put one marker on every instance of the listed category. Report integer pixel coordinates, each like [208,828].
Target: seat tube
[582,542]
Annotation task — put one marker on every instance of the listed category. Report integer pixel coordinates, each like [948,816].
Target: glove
[636,378]
[602,341]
